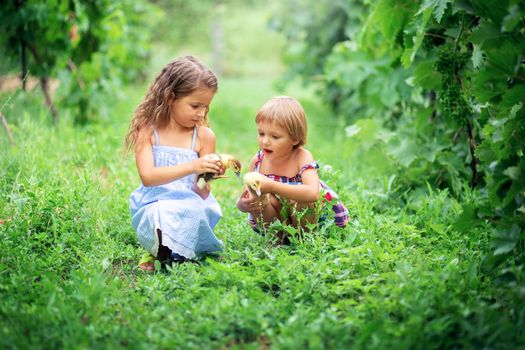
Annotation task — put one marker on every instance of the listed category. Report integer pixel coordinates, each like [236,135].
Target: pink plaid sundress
[341,214]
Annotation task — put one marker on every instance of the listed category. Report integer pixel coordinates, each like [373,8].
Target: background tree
[89,46]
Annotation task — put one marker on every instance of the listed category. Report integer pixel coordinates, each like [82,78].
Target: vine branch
[474,162]
[7,129]
[45,86]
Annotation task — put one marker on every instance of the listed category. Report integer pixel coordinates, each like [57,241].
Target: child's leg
[308,218]
[147,262]
[270,209]
[273,208]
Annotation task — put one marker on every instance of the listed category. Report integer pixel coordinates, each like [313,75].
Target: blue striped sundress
[184,218]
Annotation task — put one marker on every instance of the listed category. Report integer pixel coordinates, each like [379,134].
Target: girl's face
[274,141]
[189,111]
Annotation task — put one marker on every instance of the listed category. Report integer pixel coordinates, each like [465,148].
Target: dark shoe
[177,258]
[164,253]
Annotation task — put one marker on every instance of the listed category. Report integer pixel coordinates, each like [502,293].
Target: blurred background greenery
[416,105]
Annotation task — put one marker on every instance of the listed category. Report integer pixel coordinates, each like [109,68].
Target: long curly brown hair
[179,78]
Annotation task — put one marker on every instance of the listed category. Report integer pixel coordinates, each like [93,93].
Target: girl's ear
[170,96]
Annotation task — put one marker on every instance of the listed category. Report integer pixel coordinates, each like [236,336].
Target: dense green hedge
[434,92]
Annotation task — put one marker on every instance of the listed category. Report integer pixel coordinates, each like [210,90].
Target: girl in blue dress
[174,219]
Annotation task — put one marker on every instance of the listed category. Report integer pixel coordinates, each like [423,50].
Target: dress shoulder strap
[313,165]
[156,136]
[194,138]
[258,161]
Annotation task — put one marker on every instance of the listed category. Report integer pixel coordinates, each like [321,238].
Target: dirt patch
[13,82]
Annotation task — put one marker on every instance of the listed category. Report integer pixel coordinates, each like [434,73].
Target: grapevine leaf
[513,172]
[351,69]
[514,97]
[385,87]
[391,17]
[506,57]
[477,56]
[503,246]
[467,219]
[404,151]
[512,19]
[431,150]
[438,7]
[505,240]
[492,10]
[425,76]
[486,31]
[515,109]
[514,190]
[487,84]
[410,52]
[484,151]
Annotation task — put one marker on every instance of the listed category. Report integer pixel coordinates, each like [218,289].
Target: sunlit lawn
[399,276]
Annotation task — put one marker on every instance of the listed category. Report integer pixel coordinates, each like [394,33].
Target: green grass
[400,276]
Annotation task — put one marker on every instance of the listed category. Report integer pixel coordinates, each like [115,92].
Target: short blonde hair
[286,112]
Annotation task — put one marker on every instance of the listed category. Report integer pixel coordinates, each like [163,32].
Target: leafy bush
[434,92]
[91,47]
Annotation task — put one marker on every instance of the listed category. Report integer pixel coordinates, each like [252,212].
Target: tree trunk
[7,129]
[23,65]
[44,84]
[474,162]
[73,69]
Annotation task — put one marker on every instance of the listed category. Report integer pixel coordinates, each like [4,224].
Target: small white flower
[327,168]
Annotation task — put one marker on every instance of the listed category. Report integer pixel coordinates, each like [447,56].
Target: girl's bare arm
[154,176]
[308,192]
[206,142]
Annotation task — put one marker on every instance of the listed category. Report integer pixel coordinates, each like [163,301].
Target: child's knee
[273,201]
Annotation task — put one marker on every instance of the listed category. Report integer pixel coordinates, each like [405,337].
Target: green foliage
[400,274]
[451,97]
[313,30]
[425,73]
[179,23]
[91,47]
[410,269]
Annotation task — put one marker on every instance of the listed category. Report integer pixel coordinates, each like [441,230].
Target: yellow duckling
[228,162]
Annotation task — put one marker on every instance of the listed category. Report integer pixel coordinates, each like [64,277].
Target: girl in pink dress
[290,170]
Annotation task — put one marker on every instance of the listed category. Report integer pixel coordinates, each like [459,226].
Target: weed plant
[400,276]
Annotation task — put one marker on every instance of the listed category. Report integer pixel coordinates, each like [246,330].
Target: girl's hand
[208,163]
[248,202]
